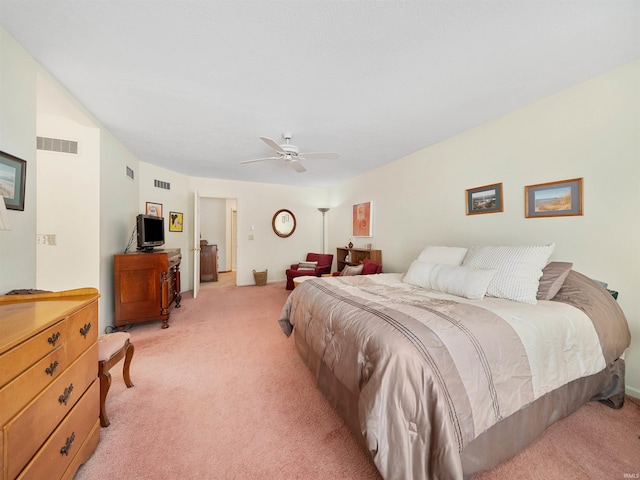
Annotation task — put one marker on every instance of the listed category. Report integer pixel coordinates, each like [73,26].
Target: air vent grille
[57,145]
[130,173]
[161,184]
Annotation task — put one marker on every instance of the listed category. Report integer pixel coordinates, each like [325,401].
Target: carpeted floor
[222,394]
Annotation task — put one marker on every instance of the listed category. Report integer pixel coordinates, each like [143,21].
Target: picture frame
[485,199]
[13,172]
[175,221]
[554,199]
[362,220]
[154,209]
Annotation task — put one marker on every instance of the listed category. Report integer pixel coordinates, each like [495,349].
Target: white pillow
[445,255]
[518,269]
[457,280]
[307,265]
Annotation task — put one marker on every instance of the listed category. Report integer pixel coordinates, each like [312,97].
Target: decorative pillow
[351,270]
[307,265]
[467,282]
[518,269]
[553,277]
[369,267]
[445,255]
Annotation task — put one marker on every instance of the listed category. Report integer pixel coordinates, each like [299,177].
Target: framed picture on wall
[554,199]
[486,199]
[175,222]
[12,180]
[154,209]
[362,220]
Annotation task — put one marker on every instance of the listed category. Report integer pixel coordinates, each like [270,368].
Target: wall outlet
[46,239]
[250,237]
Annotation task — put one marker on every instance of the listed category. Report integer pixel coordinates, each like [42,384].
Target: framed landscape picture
[486,199]
[12,181]
[554,199]
[362,220]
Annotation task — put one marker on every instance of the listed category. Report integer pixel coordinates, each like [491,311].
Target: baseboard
[632,392]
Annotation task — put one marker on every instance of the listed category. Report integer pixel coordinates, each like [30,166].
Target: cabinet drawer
[18,393]
[66,441]
[82,330]
[26,432]
[18,359]
[86,450]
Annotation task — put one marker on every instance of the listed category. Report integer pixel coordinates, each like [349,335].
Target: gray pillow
[553,277]
[351,270]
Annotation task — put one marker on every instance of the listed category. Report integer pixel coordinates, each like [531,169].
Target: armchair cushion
[370,267]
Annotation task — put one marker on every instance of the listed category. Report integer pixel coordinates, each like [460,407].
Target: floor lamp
[323,210]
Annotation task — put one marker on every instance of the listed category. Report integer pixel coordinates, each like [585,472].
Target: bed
[442,385]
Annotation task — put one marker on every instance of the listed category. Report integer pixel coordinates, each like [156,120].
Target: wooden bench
[112,348]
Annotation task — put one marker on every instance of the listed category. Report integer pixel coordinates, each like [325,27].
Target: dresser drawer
[26,432]
[18,359]
[66,441]
[82,330]
[18,393]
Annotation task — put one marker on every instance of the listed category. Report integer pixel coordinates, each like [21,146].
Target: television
[150,232]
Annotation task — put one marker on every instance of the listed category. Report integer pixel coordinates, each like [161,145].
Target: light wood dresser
[49,392]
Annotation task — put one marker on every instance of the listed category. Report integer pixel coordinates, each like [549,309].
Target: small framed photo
[12,181]
[175,222]
[486,199]
[554,199]
[362,220]
[154,209]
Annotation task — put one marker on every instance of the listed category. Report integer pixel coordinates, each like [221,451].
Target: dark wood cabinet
[208,262]
[147,284]
[356,256]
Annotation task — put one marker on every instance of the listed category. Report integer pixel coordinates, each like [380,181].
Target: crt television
[150,232]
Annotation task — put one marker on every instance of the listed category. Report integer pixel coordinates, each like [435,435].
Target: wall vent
[130,173]
[161,184]
[57,145]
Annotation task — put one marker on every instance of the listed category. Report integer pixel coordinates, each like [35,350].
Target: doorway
[218,227]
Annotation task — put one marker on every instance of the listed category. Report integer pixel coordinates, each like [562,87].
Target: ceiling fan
[291,154]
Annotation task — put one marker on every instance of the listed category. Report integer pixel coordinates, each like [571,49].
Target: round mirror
[284,223]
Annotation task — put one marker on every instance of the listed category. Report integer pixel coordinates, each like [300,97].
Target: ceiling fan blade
[320,156]
[260,159]
[297,166]
[272,144]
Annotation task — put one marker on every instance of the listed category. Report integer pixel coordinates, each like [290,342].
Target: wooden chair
[112,348]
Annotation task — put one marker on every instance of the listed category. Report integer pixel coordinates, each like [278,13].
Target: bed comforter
[431,372]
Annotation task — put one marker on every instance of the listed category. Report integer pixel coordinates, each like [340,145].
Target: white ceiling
[190,85]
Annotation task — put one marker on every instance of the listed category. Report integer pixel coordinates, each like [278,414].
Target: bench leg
[127,363]
[105,384]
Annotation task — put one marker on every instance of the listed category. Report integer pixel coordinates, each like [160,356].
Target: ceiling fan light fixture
[291,153]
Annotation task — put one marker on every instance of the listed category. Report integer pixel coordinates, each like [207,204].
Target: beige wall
[591,131]
[17,137]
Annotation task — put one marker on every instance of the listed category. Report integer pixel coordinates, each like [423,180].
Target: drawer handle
[54,338]
[65,396]
[52,368]
[64,450]
[84,330]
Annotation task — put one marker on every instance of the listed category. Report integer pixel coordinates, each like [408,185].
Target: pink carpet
[222,394]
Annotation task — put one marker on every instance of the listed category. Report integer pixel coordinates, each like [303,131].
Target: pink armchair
[324,266]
